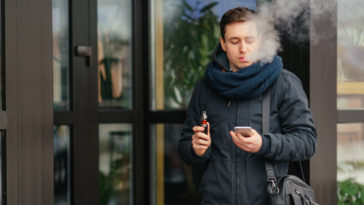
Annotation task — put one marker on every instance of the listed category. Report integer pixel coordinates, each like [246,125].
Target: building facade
[94,92]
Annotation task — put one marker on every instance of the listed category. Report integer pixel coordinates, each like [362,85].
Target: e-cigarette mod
[204,122]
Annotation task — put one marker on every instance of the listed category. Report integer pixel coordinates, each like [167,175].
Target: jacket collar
[220,59]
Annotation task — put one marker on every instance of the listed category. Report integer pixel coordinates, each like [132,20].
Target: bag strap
[266,112]
[265,127]
[271,177]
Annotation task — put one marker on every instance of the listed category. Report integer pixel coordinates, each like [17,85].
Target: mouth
[243,59]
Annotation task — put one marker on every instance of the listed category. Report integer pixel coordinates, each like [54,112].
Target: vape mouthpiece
[204,116]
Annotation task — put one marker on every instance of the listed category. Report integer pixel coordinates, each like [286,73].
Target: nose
[242,47]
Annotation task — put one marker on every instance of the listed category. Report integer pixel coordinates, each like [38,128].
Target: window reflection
[1,88]
[61,96]
[2,77]
[184,35]
[350,54]
[350,163]
[115,160]
[62,176]
[2,167]
[174,182]
[114,54]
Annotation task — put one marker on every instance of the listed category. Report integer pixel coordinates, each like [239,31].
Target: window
[184,34]
[350,55]
[61,64]
[114,54]
[62,164]
[350,102]
[2,167]
[350,162]
[2,70]
[2,92]
[115,160]
[174,181]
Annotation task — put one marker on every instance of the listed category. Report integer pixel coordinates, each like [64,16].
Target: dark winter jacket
[234,176]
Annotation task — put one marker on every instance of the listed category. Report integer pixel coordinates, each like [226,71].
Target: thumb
[208,128]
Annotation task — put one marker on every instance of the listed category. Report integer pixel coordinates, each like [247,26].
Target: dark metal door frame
[85,115]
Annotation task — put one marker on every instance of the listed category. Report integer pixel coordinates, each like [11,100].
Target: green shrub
[190,36]
[350,193]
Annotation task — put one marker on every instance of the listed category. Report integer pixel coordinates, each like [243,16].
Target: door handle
[85,51]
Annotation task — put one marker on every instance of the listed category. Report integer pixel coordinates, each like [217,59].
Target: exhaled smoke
[290,18]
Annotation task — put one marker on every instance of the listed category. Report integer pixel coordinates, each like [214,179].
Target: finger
[202,142]
[232,133]
[238,137]
[198,138]
[197,129]
[199,147]
[203,136]
[243,139]
[254,133]
[235,139]
[238,142]
[208,128]
[241,146]
[233,136]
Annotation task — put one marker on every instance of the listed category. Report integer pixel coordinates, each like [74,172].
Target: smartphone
[244,130]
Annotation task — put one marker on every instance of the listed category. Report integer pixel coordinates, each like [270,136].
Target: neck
[234,68]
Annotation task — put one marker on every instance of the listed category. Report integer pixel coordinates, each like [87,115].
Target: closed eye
[234,41]
[250,39]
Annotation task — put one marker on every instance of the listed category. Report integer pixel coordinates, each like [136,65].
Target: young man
[231,94]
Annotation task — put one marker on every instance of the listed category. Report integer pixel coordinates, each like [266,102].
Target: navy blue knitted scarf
[246,83]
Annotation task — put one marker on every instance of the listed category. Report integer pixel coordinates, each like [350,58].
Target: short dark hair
[238,14]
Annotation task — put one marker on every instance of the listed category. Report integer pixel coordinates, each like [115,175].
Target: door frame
[27,44]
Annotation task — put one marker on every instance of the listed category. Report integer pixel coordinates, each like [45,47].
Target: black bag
[289,189]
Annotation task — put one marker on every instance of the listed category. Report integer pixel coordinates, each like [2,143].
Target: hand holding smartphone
[245,131]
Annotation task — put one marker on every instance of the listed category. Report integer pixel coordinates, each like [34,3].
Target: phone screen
[244,130]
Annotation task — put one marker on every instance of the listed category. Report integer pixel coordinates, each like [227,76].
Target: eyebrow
[234,38]
[237,38]
[250,37]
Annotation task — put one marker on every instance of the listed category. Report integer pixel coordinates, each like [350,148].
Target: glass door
[75,107]
[97,105]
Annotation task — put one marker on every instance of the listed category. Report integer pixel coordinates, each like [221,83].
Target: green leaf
[187,50]
[208,7]
[187,6]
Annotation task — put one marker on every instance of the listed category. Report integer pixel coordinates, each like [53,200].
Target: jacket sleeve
[193,118]
[298,137]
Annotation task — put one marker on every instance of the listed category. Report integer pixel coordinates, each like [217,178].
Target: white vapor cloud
[292,17]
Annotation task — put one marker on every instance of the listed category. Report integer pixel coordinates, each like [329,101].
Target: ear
[223,45]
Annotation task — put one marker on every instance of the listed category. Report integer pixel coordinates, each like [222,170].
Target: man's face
[241,39]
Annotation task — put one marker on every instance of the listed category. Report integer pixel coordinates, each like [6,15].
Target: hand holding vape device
[204,122]
[244,130]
